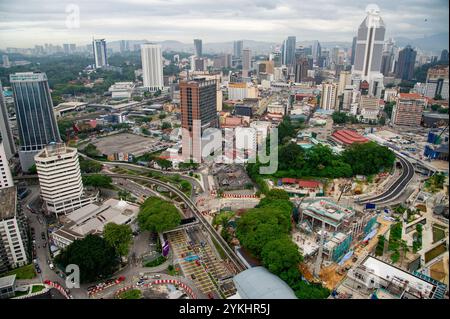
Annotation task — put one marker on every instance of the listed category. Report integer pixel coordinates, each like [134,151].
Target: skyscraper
[369,50]
[246,62]
[328,98]
[237,48]
[6,63]
[6,179]
[301,69]
[124,46]
[386,63]
[352,60]
[152,66]
[198,47]
[405,64]
[198,113]
[5,129]
[35,117]
[316,51]
[60,178]
[444,56]
[99,48]
[289,50]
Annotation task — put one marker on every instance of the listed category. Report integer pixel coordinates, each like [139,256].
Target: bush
[157,215]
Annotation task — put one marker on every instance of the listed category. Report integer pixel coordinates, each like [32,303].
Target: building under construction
[332,227]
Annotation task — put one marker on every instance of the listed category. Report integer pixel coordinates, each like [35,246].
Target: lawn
[156,262]
[438,233]
[25,272]
[131,294]
[21,293]
[37,288]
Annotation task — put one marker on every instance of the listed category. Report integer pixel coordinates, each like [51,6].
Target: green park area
[131,294]
[25,272]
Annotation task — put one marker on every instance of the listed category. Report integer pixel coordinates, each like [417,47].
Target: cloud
[25,22]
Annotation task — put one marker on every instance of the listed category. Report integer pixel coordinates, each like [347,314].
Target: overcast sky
[24,23]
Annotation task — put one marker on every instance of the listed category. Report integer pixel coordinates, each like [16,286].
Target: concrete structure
[35,116]
[198,47]
[246,62]
[152,66]
[67,107]
[437,82]
[369,107]
[99,49]
[237,48]
[259,283]
[390,94]
[91,219]
[301,70]
[121,90]
[345,79]
[6,179]
[7,287]
[198,113]
[288,51]
[276,108]
[408,109]
[5,129]
[369,50]
[6,63]
[60,178]
[350,96]
[328,97]
[242,90]
[13,231]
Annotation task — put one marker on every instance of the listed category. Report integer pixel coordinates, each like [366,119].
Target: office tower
[5,129]
[124,46]
[265,67]
[444,56]
[345,78]
[408,109]
[152,66]
[60,178]
[369,50]
[405,63]
[13,231]
[301,70]
[99,48]
[316,51]
[35,116]
[352,60]
[386,63]
[237,48]
[198,48]
[437,82]
[335,55]
[289,50]
[6,63]
[198,113]
[328,98]
[6,179]
[66,48]
[246,62]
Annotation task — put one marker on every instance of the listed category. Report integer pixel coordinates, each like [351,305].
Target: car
[210,295]
[51,266]
[197,262]
[193,276]
[38,270]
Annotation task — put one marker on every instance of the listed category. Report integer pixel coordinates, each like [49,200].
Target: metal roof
[259,283]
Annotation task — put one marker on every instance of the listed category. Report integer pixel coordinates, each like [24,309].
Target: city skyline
[25,24]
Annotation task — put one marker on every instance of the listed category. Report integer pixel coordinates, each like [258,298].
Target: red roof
[410,96]
[287,180]
[308,184]
[348,137]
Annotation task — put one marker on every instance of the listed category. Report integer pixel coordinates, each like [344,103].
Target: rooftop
[259,283]
[348,137]
[410,96]
[7,281]
[8,197]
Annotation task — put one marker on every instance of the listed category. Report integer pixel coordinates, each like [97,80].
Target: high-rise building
[408,109]
[405,63]
[237,48]
[198,113]
[198,48]
[316,51]
[60,178]
[288,51]
[328,98]
[369,50]
[246,62]
[444,56]
[6,63]
[35,116]
[152,66]
[437,82]
[345,78]
[124,46]
[99,49]
[386,63]
[301,70]
[6,179]
[352,60]
[13,231]
[5,129]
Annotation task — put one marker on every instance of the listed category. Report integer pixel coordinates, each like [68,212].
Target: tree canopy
[157,215]
[98,181]
[95,257]
[119,237]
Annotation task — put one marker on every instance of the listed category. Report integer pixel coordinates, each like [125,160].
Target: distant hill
[434,43]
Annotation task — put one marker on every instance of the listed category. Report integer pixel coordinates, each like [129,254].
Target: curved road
[397,187]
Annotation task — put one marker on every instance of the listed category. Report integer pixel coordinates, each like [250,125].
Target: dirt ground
[439,271]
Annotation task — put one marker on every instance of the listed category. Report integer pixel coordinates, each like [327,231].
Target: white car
[51,266]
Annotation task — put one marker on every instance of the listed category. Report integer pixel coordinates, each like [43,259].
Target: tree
[119,237]
[157,215]
[388,107]
[280,255]
[368,158]
[166,125]
[91,150]
[88,166]
[163,163]
[285,130]
[162,116]
[185,186]
[339,117]
[124,195]
[98,181]
[93,255]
